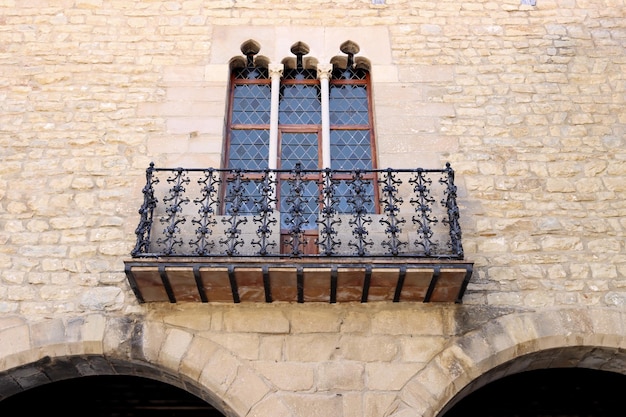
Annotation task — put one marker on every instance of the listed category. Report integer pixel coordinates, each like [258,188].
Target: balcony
[217,235]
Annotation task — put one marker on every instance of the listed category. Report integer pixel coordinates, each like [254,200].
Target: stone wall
[369,360]
[528,103]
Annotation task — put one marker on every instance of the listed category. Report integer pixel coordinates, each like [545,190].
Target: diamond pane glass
[308,207]
[299,74]
[245,201]
[348,105]
[251,73]
[350,149]
[345,193]
[300,104]
[349,74]
[249,149]
[251,104]
[299,148]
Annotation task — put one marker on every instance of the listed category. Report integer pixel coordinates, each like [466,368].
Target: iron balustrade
[299,213]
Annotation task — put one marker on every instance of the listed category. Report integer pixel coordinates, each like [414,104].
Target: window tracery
[302,115]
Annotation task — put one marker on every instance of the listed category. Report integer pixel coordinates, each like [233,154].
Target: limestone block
[183,74]
[21,293]
[550,243]
[271,348]
[288,376]
[270,406]
[219,372]
[98,299]
[420,349]
[174,347]
[198,353]
[504,298]
[244,346]
[47,332]
[311,348]
[314,321]
[332,376]
[378,404]
[603,271]
[427,73]
[616,184]
[379,348]
[605,245]
[245,391]
[422,322]
[253,321]
[88,328]
[309,405]
[383,376]
[538,299]
[559,185]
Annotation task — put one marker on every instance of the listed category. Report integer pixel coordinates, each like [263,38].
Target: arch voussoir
[513,343]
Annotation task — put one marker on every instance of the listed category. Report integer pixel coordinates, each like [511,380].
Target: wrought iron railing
[299,213]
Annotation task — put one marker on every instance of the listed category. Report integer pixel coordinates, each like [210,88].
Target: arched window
[300,109]
[250,111]
[351,122]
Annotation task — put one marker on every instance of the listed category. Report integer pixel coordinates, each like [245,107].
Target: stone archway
[97,379]
[108,395]
[550,392]
[45,351]
[588,338]
[588,358]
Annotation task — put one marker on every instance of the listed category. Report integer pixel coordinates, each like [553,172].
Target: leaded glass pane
[346,201]
[348,105]
[299,74]
[249,149]
[350,149]
[251,104]
[299,148]
[245,199]
[308,206]
[251,73]
[349,74]
[300,104]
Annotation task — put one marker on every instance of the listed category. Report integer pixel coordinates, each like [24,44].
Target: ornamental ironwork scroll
[283,213]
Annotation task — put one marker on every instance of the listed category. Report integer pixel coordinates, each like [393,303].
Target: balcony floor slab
[236,280]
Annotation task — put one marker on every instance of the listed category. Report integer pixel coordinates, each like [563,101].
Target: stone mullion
[323,73]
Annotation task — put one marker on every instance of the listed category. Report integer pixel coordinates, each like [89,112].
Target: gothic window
[301,115]
[351,133]
[250,108]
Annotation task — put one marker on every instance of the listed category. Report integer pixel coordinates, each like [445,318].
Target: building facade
[525,102]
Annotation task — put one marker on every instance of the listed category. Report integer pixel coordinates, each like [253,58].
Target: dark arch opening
[108,396]
[554,392]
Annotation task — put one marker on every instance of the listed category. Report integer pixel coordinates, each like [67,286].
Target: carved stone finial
[300,48]
[250,47]
[349,48]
